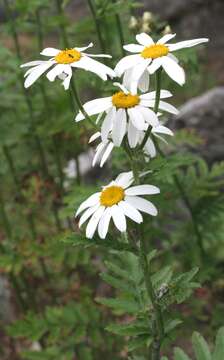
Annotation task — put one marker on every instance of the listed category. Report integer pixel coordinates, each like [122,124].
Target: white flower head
[150,56]
[117,201]
[106,146]
[63,62]
[126,113]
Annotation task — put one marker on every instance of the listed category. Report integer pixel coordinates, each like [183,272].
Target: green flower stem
[12,168]
[63,32]
[156,106]
[80,106]
[37,140]
[120,31]
[4,217]
[157,323]
[97,25]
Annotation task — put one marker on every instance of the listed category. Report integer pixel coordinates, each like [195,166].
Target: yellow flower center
[68,56]
[111,195]
[154,51]
[122,100]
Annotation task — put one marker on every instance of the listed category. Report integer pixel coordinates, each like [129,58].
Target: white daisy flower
[126,113]
[150,57]
[105,147]
[64,61]
[117,201]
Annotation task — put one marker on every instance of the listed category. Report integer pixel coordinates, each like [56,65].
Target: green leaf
[200,346]
[139,342]
[127,329]
[219,346]
[80,240]
[126,306]
[179,354]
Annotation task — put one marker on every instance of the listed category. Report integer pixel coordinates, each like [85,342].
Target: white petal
[137,72]
[173,57]
[124,179]
[91,201]
[154,66]
[152,95]
[107,153]
[104,223]
[166,38]
[94,136]
[137,118]
[175,71]
[93,223]
[127,79]
[94,66]
[86,215]
[134,48]
[142,205]
[130,211]
[142,190]
[98,55]
[186,44]
[57,69]
[36,73]
[118,218]
[99,150]
[168,107]
[122,87]
[50,52]
[33,63]
[143,83]
[149,116]
[144,39]
[99,116]
[119,127]
[150,148]
[66,81]
[107,123]
[162,130]
[94,107]
[126,63]
[133,135]
[84,48]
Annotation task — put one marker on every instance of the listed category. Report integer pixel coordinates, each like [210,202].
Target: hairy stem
[80,106]
[97,25]
[120,31]
[156,106]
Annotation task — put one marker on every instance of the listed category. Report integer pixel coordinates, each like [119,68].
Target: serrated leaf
[128,306]
[139,342]
[200,347]
[219,346]
[179,354]
[127,329]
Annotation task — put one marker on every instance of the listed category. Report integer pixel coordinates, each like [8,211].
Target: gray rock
[205,114]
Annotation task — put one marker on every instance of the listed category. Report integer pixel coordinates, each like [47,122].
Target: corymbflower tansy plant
[149,57]
[64,62]
[117,201]
[127,113]
[128,119]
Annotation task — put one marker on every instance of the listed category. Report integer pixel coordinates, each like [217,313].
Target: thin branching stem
[156,106]
[97,25]
[120,31]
